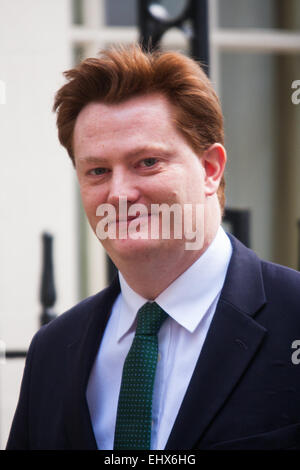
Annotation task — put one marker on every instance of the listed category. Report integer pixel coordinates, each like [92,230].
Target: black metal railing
[154,22]
[47,288]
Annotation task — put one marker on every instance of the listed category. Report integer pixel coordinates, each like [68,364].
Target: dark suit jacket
[245,390]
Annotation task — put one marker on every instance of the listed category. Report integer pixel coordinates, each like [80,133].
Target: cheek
[168,186]
[196,178]
[91,199]
[188,186]
[168,193]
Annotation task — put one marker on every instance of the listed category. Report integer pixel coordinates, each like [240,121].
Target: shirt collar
[193,291]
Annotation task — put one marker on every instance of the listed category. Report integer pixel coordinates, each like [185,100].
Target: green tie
[134,415]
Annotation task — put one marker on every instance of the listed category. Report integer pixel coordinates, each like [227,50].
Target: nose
[123,185]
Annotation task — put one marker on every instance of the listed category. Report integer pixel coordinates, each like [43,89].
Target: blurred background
[254,58]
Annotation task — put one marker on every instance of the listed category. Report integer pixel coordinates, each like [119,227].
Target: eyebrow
[134,153]
[91,159]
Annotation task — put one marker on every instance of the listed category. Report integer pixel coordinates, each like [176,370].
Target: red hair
[122,72]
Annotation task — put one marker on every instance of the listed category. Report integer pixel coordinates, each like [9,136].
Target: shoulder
[253,283]
[71,325]
[282,284]
[244,260]
[280,277]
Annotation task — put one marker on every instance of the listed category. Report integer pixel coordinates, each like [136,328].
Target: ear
[214,161]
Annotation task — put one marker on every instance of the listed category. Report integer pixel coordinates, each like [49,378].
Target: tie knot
[150,318]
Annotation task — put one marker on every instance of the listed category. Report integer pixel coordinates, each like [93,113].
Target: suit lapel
[231,343]
[81,355]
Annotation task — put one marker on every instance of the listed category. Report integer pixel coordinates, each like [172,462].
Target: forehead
[150,113]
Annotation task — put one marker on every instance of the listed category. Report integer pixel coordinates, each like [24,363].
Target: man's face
[134,152]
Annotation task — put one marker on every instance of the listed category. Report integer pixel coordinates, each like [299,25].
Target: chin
[132,250]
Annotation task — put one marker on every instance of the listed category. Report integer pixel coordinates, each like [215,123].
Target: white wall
[37,189]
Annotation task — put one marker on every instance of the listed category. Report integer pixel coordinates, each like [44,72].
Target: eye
[99,171]
[149,161]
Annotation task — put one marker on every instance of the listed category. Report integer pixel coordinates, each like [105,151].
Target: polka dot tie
[134,415]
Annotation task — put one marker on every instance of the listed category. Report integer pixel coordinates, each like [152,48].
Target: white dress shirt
[190,301]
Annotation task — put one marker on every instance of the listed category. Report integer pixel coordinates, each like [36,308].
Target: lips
[128,219]
[132,217]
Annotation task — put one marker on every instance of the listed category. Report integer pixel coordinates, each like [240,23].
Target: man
[187,348]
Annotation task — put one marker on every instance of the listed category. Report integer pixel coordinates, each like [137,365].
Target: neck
[151,278]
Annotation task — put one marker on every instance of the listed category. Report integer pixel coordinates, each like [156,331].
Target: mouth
[131,218]
[128,219]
